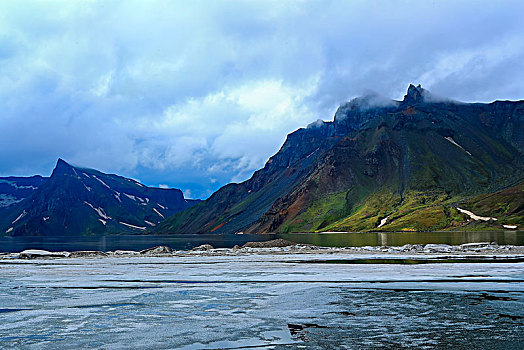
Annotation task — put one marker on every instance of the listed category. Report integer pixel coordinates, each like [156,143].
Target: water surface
[188,241]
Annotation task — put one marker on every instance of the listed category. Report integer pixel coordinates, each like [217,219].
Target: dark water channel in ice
[260,301]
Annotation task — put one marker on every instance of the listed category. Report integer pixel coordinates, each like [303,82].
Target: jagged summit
[414,95]
[79,201]
[61,167]
[60,163]
[380,165]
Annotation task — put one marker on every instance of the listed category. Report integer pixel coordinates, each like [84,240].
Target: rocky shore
[280,247]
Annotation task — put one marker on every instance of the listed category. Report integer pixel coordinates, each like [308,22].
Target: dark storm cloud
[197,94]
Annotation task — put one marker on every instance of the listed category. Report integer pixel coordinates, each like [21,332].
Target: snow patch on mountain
[159,213]
[475,217]
[130,196]
[383,222]
[19,216]
[102,182]
[99,211]
[450,139]
[133,226]
[117,196]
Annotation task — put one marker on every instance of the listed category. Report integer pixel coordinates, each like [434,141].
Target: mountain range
[76,201]
[383,165]
[423,163]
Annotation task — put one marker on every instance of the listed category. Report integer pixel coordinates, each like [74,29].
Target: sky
[197,94]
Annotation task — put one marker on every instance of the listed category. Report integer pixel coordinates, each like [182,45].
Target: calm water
[188,241]
[401,238]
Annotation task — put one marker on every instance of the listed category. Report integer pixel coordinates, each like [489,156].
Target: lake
[259,301]
[188,241]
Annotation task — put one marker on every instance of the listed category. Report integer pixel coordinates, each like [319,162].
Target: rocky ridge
[77,201]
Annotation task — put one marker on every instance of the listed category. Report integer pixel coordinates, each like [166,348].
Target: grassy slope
[428,211]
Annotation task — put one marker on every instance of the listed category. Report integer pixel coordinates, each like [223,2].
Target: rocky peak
[414,95]
[351,115]
[61,168]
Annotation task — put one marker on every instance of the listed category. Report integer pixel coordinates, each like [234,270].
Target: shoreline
[283,247]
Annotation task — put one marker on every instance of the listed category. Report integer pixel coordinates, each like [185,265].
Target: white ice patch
[130,196]
[456,144]
[9,230]
[149,223]
[159,213]
[476,217]
[99,211]
[132,226]
[135,182]
[117,196]
[510,226]
[86,175]
[161,206]
[103,221]
[20,216]
[309,155]
[45,218]
[102,182]
[87,188]
[383,222]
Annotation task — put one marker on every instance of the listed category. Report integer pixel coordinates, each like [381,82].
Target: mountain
[77,201]
[15,189]
[380,165]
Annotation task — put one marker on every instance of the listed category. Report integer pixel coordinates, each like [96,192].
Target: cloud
[198,94]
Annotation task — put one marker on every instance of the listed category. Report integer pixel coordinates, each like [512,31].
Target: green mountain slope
[410,161]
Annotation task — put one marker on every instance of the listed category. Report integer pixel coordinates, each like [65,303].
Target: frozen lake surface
[259,301]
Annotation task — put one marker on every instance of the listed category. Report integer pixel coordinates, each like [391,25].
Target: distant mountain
[78,201]
[379,165]
[15,189]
